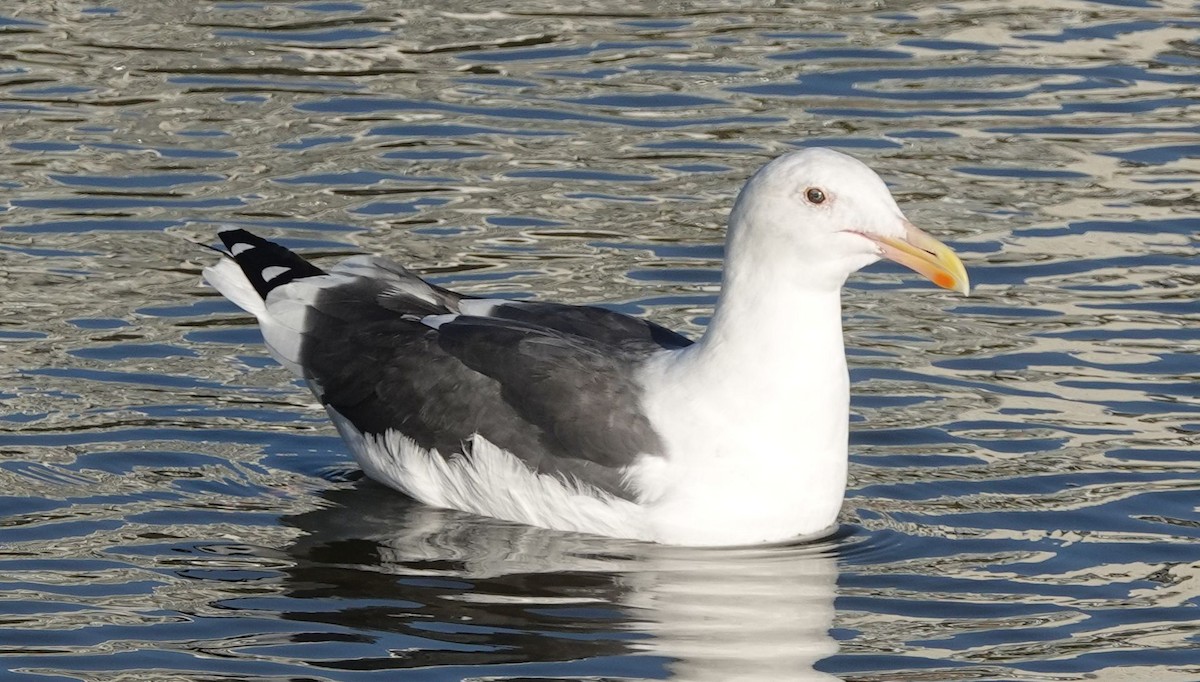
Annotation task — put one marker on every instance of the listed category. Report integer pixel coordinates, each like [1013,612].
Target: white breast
[752,454]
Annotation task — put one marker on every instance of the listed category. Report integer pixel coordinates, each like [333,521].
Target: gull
[579,418]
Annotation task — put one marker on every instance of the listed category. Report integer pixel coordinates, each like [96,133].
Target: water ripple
[1022,493]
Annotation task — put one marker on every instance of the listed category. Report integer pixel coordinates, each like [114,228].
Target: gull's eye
[814,195]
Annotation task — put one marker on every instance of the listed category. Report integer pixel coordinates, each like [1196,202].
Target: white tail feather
[282,333]
[227,277]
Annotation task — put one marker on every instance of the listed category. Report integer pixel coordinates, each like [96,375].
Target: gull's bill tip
[924,254]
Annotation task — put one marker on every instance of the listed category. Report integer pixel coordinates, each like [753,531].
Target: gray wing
[550,383]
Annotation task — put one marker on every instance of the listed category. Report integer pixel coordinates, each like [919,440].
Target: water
[1024,484]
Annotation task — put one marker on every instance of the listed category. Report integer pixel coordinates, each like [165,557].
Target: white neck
[764,320]
[754,415]
[774,350]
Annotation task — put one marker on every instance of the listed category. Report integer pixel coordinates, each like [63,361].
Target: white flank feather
[491,482]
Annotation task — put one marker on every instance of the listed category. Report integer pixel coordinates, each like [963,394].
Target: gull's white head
[822,215]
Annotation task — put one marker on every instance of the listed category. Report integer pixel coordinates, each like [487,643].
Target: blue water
[1024,485]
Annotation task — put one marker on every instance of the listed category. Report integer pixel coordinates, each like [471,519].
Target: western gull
[578,418]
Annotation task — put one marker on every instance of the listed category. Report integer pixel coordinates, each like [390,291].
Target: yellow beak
[926,255]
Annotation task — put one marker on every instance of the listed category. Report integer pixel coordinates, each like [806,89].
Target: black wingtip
[266,264]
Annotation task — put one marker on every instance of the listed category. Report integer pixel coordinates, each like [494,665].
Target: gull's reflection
[455,589]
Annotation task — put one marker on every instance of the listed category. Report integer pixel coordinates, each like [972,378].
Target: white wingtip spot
[240,248]
[274,271]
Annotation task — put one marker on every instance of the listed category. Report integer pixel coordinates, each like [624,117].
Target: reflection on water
[1023,484]
[503,594]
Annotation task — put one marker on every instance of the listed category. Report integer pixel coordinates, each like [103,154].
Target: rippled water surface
[1024,481]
